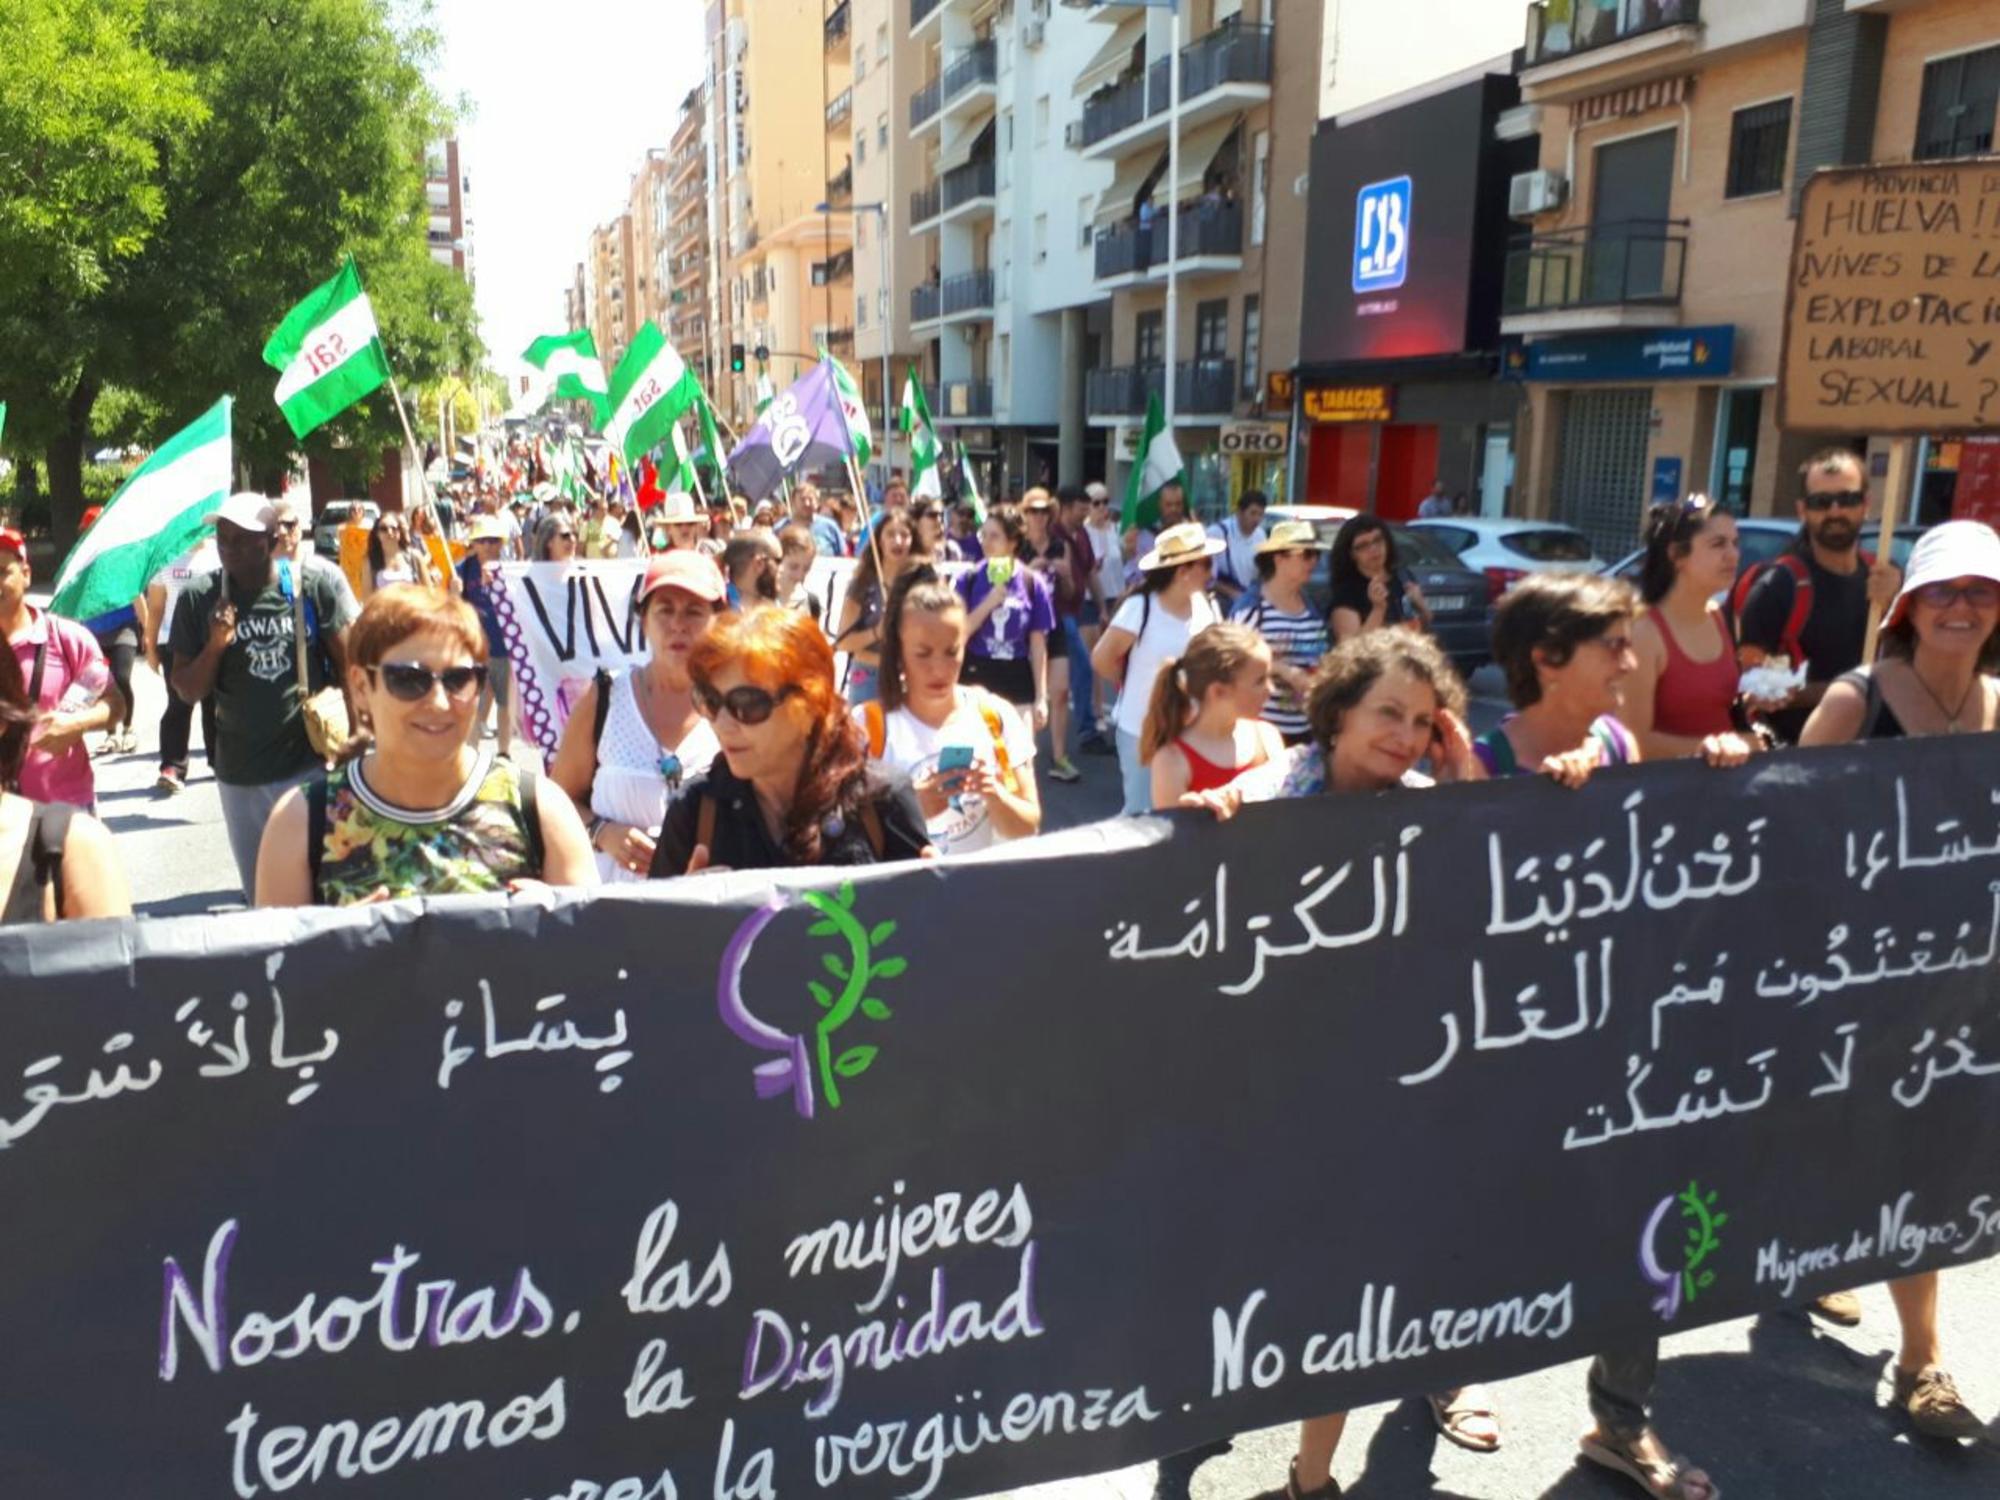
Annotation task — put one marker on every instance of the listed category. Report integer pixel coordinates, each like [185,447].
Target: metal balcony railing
[1202,387]
[1229,54]
[962,184]
[840,187]
[971,291]
[979,63]
[1633,262]
[1206,228]
[920,11]
[838,108]
[960,399]
[1559,31]
[839,340]
[924,103]
[926,302]
[836,26]
[925,201]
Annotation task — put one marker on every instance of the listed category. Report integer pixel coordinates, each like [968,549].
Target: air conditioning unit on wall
[1532,193]
[1031,34]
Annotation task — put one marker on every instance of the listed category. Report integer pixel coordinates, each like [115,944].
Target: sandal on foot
[1328,1491]
[1454,1411]
[1667,1478]
[1840,1308]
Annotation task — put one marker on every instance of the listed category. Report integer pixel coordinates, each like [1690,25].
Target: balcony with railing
[840,187]
[921,11]
[960,400]
[839,268]
[1618,275]
[969,293]
[924,103]
[1219,72]
[1202,387]
[838,340]
[925,204]
[1209,232]
[1557,32]
[969,185]
[839,108]
[976,65]
[836,27]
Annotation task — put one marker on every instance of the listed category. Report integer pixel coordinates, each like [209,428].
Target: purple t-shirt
[1027,607]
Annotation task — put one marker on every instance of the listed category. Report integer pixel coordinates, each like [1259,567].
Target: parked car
[1762,538]
[333,516]
[1505,550]
[1457,595]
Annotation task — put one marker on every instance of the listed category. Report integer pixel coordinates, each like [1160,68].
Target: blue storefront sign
[1707,353]
[1666,480]
[1382,235]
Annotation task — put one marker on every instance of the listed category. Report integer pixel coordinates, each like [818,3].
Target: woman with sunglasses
[1149,629]
[878,563]
[392,556]
[416,810]
[1370,587]
[1277,608]
[555,538]
[791,786]
[1940,645]
[634,740]
[931,535]
[1682,699]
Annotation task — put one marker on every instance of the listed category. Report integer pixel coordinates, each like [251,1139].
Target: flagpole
[410,437]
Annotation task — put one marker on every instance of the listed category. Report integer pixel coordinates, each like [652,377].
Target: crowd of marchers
[765,729]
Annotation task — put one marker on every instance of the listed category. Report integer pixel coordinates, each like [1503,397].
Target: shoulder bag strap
[41,666]
[51,833]
[704,825]
[295,590]
[531,820]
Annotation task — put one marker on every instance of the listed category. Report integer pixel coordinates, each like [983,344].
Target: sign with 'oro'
[1892,316]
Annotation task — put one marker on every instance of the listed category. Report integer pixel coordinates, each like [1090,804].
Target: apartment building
[1230,223]
[1399,342]
[646,211]
[610,255]
[576,301]
[448,198]
[683,237]
[781,120]
[1649,294]
[885,64]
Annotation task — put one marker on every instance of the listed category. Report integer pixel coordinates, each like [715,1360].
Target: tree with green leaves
[257,145]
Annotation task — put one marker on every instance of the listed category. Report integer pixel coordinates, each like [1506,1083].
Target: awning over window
[1199,148]
[1112,57]
[1120,200]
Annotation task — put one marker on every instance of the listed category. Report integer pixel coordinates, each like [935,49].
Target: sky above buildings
[563,100]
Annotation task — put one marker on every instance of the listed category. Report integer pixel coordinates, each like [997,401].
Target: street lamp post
[887,321]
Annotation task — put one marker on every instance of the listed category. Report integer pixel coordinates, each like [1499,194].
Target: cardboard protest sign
[752,1186]
[1892,317]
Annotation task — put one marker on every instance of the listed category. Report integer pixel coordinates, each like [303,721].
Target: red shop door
[1337,464]
[1408,470]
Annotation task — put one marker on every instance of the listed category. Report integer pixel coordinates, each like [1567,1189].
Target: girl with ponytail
[1202,727]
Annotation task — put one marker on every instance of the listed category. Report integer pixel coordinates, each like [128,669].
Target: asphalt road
[1775,1408]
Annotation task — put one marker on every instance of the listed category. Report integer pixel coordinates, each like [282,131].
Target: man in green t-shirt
[235,634]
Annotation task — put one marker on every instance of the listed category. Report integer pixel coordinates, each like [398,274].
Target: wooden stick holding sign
[1902,464]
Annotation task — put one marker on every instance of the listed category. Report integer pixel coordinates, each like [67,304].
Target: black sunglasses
[1846,499]
[412,683]
[748,706]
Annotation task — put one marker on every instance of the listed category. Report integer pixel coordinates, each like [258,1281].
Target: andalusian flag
[681,463]
[328,352]
[570,360]
[914,419]
[711,440]
[650,390]
[860,436]
[1157,465]
[766,392]
[968,488]
[157,514]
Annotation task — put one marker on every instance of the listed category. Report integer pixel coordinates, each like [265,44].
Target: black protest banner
[963,1176]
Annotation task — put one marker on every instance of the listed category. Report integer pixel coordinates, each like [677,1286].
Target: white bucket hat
[1185,543]
[1954,549]
[676,509]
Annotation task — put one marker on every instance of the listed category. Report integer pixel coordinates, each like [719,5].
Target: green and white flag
[1157,464]
[914,418]
[766,392]
[968,488]
[860,436]
[570,361]
[328,353]
[680,473]
[711,440]
[650,390]
[157,514]
[3,418]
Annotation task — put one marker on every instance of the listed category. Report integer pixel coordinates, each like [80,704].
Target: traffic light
[736,359]
[763,353]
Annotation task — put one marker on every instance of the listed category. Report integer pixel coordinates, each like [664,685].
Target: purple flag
[802,429]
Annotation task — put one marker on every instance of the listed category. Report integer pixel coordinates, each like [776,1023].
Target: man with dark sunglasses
[1811,602]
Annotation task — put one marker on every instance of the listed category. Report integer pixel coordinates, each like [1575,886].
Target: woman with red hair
[791,786]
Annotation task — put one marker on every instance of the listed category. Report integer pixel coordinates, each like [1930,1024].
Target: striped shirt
[1296,640]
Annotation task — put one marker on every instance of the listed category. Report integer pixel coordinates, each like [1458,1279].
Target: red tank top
[1204,775]
[1693,698]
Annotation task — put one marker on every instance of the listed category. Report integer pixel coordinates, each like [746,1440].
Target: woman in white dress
[634,739]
